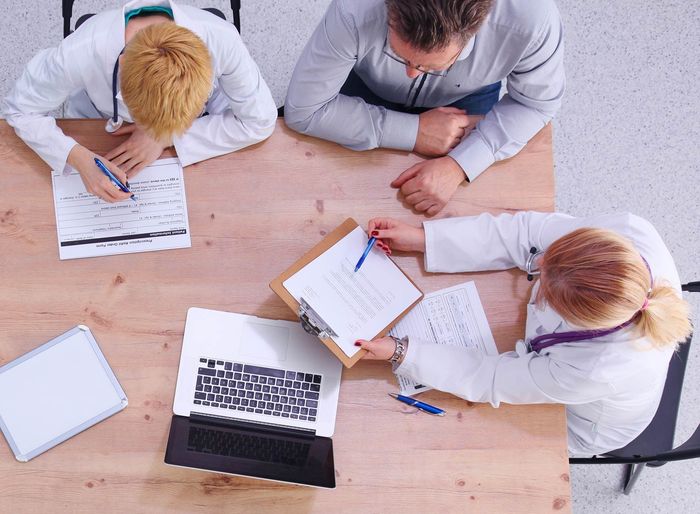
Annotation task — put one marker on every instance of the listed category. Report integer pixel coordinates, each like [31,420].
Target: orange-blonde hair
[596,279]
[166,78]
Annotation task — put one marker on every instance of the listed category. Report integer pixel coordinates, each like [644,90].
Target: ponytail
[596,279]
[665,320]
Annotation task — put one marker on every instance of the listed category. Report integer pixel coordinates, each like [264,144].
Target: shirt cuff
[436,258]
[182,155]
[473,155]
[400,131]
[431,244]
[59,153]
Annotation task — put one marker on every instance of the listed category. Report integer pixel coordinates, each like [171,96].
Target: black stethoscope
[116,121]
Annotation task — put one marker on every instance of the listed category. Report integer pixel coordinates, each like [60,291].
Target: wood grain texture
[252,214]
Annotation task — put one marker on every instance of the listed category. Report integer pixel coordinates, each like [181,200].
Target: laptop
[255,398]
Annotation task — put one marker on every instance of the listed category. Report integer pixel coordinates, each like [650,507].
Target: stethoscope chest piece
[113,125]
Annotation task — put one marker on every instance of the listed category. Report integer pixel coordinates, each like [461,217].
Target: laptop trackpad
[266,342]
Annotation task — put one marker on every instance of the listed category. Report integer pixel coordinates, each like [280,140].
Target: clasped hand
[429,185]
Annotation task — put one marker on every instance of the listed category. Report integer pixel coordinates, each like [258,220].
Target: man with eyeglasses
[404,74]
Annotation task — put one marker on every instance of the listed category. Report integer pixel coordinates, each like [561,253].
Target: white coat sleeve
[508,377]
[487,242]
[251,115]
[535,90]
[314,105]
[44,85]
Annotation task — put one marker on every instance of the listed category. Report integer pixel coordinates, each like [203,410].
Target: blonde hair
[166,78]
[596,279]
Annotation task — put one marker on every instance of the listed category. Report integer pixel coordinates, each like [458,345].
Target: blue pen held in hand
[111,177]
[418,405]
[370,244]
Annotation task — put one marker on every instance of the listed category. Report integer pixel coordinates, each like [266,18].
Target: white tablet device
[56,391]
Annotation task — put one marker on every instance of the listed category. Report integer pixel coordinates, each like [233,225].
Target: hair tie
[645,304]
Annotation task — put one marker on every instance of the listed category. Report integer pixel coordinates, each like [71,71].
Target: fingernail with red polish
[358,343]
[375,232]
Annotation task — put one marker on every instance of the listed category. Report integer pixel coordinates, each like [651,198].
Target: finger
[411,186]
[406,175]
[462,120]
[133,171]
[384,234]
[416,197]
[424,205]
[127,128]
[123,157]
[433,210]
[367,346]
[378,223]
[107,192]
[129,165]
[455,142]
[115,152]
[116,171]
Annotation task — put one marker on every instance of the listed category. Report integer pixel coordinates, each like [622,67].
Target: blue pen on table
[370,244]
[114,179]
[418,405]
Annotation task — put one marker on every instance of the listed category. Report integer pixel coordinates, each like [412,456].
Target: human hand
[398,235]
[138,151]
[440,130]
[96,182]
[380,349]
[429,185]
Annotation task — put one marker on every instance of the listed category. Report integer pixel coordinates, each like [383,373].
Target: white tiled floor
[626,139]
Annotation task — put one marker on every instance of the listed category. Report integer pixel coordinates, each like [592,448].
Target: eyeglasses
[531,266]
[418,67]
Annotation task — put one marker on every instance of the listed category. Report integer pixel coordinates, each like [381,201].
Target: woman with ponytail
[603,320]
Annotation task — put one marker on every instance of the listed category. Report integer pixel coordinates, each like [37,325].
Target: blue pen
[111,177]
[370,244]
[418,405]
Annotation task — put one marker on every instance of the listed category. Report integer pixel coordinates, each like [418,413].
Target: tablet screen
[51,392]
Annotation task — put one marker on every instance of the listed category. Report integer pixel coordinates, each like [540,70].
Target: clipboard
[309,319]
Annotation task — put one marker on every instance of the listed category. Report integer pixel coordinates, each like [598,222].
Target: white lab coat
[241,109]
[611,386]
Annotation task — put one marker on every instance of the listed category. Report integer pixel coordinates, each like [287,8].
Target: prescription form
[89,227]
[451,316]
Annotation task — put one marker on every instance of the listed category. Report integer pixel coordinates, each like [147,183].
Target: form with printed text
[451,316]
[89,227]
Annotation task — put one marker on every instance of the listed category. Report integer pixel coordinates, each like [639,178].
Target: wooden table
[252,213]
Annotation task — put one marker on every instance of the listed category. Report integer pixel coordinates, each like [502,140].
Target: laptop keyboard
[246,446]
[268,391]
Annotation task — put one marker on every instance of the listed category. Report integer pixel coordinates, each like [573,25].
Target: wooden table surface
[251,214]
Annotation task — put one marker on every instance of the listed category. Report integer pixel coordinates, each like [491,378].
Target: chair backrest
[67,11]
[655,444]
[658,436]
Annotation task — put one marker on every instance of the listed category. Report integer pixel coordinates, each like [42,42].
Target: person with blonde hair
[163,74]
[602,322]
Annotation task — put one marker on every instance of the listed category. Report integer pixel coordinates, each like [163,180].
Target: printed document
[89,227]
[355,305]
[451,316]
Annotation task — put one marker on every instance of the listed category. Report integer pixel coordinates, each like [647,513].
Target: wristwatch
[400,350]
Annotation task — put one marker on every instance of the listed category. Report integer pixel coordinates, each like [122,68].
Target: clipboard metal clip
[312,323]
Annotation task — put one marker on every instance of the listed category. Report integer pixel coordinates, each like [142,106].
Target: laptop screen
[243,448]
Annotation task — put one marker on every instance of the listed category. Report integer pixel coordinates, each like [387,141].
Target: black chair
[68,13]
[654,446]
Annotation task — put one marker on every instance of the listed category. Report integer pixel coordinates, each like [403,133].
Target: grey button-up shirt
[520,41]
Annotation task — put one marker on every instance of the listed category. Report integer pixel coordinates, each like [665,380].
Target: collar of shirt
[467,50]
